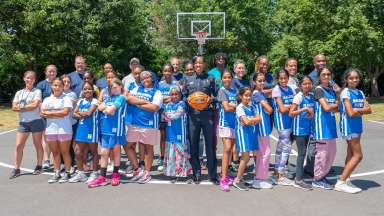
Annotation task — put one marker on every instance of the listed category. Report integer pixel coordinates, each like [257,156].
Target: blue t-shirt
[143,118]
[76,82]
[282,121]
[113,124]
[176,130]
[45,88]
[226,119]
[351,125]
[324,122]
[101,83]
[265,124]
[313,75]
[301,125]
[237,83]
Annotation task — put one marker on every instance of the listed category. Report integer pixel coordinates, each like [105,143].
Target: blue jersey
[325,122]
[176,130]
[301,125]
[87,128]
[113,124]
[143,118]
[246,135]
[226,119]
[265,124]
[130,107]
[282,121]
[351,125]
[165,87]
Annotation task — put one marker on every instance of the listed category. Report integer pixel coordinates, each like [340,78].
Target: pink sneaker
[145,179]
[224,184]
[230,180]
[100,181]
[115,179]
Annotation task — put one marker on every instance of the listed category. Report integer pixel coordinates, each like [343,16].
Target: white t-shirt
[58,125]
[127,80]
[26,97]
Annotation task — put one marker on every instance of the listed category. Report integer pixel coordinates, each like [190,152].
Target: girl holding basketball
[226,125]
[246,132]
[353,105]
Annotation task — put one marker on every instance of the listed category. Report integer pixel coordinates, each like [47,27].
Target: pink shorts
[149,136]
[58,137]
[226,132]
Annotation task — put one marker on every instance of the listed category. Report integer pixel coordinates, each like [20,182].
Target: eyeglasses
[260,81]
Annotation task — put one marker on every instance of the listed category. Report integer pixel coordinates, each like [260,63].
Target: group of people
[78,119]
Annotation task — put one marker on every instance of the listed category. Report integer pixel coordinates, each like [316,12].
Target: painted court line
[377,122]
[9,131]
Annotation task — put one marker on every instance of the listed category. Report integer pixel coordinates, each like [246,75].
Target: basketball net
[200,37]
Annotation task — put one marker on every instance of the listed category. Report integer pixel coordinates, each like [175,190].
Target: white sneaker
[262,184]
[93,176]
[342,186]
[285,181]
[352,185]
[137,175]
[129,172]
[79,177]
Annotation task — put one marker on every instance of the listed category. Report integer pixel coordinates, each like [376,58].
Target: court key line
[203,183]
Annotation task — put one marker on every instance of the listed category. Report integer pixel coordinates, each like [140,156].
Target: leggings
[302,143]
[283,149]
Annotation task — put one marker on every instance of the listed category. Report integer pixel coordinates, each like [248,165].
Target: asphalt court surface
[32,195]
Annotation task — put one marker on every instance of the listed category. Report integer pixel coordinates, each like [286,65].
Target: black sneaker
[303,185]
[14,173]
[38,170]
[240,185]
[196,179]
[214,181]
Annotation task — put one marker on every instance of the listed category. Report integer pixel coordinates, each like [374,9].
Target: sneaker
[273,180]
[100,181]
[55,178]
[343,186]
[224,184]
[46,165]
[129,172]
[262,184]
[303,185]
[79,177]
[92,177]
[284,181]
[14,173]
[65,177]
[349,182]
[137,175]
[38,170]
[115,180]
[230,180]
[323,184]
[240,185]
[161,166]
[145,179]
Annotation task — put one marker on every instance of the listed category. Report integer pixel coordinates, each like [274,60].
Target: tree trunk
[373,76]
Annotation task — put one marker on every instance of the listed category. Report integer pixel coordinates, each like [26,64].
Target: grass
[9,119]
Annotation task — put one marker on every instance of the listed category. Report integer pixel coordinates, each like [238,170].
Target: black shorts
[37,125]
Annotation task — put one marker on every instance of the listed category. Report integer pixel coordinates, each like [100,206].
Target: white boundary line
[377,172]
[377,122]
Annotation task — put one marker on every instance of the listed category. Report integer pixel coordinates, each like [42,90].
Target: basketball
[198,100]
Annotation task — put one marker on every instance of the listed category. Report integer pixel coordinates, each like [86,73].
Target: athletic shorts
[351,136]
[150,136]
[226,132]
[58,137]
[33,126]
[110,141]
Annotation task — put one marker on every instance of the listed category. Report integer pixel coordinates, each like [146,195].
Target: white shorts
[351,136]
[226,132]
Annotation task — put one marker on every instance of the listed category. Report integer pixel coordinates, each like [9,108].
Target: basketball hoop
[200,37]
